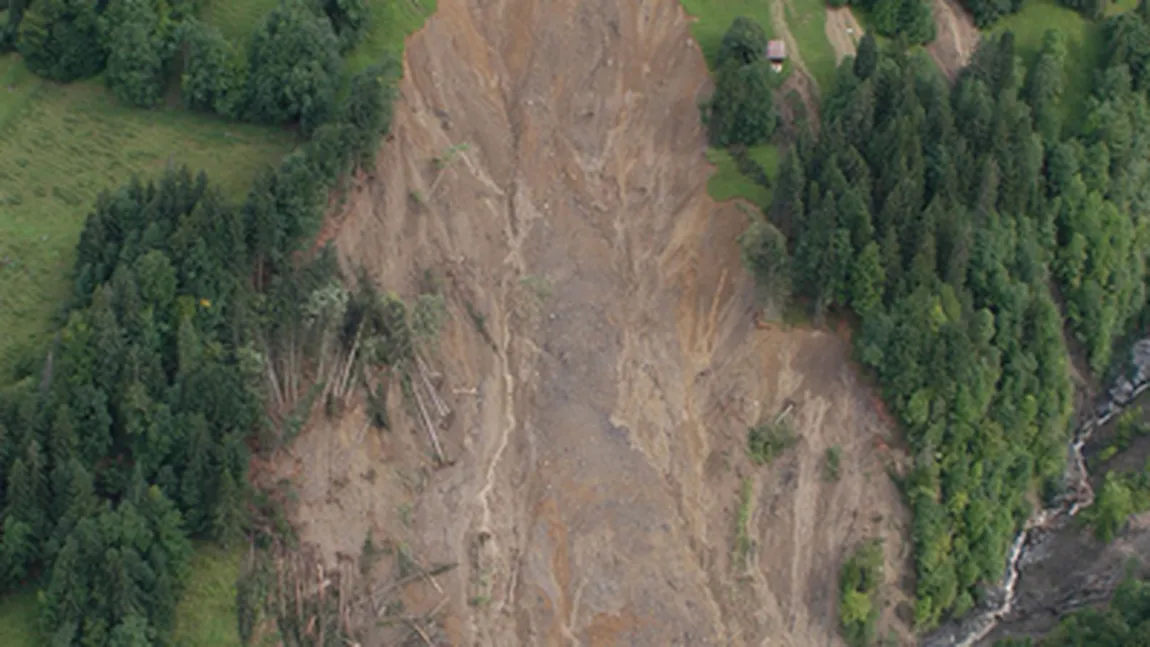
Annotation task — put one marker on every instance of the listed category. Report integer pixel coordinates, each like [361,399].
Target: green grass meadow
[392,22]
[807,20]
[206,616]
[236,18]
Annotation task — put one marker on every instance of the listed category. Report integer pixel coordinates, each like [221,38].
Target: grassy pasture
[206,616]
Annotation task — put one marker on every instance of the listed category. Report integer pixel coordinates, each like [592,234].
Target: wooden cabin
[776,54]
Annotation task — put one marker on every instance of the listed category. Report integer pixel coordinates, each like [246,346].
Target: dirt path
[800,80]
[956,38]
[600,362]
[843,31]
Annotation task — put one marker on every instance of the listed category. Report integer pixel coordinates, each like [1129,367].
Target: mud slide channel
[843,31]
[956,37]
[600,362]
[1031,546]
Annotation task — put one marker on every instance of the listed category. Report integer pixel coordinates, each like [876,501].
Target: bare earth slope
[601,362]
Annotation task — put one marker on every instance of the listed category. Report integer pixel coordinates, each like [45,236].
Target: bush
[832,467]
[767,440]
[60,40]
[859,584]
[745,42]
[295,67]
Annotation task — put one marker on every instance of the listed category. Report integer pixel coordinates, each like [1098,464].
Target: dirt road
[601,362]
[800,79]
[956,37]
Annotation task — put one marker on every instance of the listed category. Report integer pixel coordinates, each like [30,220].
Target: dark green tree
[215,73]
[744,43]
[294,65]
[135,71]
[742,110]
[866,58]
[60,40]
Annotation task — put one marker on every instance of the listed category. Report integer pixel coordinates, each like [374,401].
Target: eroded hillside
[601,362]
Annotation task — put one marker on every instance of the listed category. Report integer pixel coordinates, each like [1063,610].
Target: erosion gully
[1077,495]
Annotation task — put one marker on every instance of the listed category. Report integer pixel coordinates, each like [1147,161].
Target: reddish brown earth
[599,414]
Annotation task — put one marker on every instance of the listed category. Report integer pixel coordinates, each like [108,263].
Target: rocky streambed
[1031,546]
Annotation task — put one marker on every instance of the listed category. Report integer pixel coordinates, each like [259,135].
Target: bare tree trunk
[430,427]
[273,381]
[440,406]
[342,387]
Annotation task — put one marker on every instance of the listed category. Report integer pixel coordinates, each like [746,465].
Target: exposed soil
[956,37]
[843,31]
[601,361]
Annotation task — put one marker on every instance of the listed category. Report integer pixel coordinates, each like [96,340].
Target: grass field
[206,616]
[807,20]
[18,614]
[236,18]
[19,88]
[392,21]
[60,146]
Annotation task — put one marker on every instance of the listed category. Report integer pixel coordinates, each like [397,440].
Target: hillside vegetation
[129,434]
[960,226]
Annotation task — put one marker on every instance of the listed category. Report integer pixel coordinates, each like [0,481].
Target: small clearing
[956,38]
[843,31]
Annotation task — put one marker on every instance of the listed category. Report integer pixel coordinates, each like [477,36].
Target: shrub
[859,583]
[745,42]
[767,440]
[832,467]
